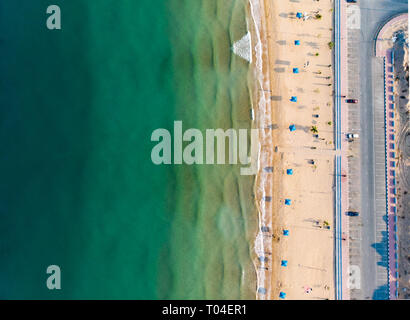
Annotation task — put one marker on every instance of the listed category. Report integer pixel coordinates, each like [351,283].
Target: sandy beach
[300,264]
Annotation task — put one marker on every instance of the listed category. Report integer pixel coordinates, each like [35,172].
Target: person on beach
[308,290]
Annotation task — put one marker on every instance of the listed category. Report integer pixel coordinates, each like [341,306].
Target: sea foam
[262,244]
[243,47]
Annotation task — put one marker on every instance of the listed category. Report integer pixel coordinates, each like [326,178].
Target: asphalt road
[373,241]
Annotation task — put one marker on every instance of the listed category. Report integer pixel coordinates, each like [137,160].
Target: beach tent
[262,290]
[285,232]
[295,70]
[299,15]
[284,263]
[263,259]
[297,42]
[292,127]
[294,99]
[282,295]
[288,202]
[289,171]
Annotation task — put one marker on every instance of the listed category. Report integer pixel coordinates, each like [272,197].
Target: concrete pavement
[368,243]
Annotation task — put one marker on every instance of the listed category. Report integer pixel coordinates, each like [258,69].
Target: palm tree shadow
[381,249]
[382,292]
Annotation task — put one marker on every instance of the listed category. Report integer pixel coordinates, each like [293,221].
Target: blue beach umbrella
[288,202]
[289,171]
[294,99]
[299,15]
[284,263]
[282,295]
[292,127]
[295,70]
[285,232]
[297,42]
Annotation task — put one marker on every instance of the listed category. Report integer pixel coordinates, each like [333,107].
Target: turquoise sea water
[77,185]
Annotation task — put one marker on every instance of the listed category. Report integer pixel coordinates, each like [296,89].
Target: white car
[352,136]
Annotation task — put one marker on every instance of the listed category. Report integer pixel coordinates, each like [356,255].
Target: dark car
[352,101]
[352,213]
[351,1]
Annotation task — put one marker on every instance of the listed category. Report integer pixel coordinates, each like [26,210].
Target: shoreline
[260,103]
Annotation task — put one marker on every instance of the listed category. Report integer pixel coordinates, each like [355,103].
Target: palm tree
[314,129]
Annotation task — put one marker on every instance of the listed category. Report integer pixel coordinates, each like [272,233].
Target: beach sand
[308,249]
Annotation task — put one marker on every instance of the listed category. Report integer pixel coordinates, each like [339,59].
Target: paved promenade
[341,165]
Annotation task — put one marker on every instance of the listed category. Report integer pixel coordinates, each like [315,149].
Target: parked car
[352,101]
[352,136]
[351,1]
[352,213]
